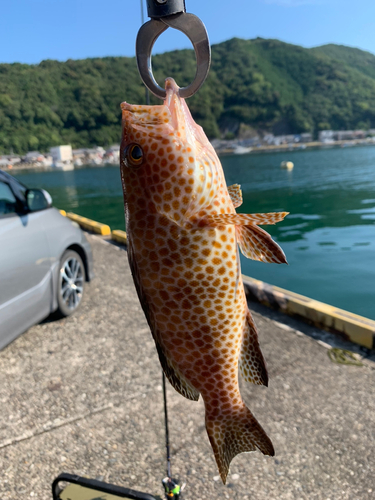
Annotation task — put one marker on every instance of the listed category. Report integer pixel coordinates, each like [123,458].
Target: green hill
[355,58]
[256,84]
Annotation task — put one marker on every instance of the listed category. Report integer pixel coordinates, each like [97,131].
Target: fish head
[167,158]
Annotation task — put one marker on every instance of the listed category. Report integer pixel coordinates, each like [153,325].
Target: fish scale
[183,232]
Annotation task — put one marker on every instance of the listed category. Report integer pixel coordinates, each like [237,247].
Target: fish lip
[171,89]
[170,84]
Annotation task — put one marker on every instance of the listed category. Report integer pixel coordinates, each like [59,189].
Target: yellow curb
[355,328]
[62,212]
[120,236]
[90,225]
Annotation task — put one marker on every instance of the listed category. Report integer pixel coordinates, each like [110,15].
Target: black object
[18,189]
[166,428]
[162,8]
[95,485]
[172,488]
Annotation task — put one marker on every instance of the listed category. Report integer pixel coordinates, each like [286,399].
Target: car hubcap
[71,289]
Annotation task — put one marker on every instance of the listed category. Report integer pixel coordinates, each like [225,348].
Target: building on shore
[88,156]
[331,136]
[37,159]
[8,161]
[112,155]
[62,157]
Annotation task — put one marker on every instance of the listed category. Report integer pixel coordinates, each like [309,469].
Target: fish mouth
[171,116]
[143,115]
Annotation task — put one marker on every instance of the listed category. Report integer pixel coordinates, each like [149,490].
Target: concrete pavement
[83,395]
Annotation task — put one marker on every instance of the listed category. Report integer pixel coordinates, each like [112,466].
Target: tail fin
[235,432]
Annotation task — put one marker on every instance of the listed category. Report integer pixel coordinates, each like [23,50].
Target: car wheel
[71,284]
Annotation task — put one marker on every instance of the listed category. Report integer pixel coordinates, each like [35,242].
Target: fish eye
[133,155]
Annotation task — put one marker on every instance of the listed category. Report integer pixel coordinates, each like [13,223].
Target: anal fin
[179,383]
[251,362]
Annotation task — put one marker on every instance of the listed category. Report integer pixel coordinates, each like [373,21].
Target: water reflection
[71,195]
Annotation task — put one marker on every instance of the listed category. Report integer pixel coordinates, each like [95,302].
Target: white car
[45,259]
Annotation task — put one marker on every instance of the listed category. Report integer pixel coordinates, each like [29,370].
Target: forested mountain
[259,84]
[355,58]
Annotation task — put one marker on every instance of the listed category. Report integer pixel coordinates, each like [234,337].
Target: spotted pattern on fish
[184,259]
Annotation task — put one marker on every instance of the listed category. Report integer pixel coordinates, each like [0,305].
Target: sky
[34,30]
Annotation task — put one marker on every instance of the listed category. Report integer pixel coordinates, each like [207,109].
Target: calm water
[328,238]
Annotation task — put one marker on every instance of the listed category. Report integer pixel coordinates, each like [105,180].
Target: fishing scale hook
[166,14]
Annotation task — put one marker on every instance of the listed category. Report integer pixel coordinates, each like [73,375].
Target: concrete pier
[83,395]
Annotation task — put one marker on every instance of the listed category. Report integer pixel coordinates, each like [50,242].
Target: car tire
[71,283]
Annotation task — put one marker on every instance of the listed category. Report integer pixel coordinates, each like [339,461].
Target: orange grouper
[183,232]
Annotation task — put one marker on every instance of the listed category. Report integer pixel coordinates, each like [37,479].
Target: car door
[25,262]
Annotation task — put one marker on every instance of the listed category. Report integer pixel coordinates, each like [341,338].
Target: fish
[183,239]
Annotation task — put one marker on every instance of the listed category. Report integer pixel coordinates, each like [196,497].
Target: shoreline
[308,146]
[290,148]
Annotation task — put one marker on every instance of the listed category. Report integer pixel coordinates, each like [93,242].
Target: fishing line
[171,486]
[166,428]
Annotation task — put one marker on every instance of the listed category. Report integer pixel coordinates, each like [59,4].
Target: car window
[8,202]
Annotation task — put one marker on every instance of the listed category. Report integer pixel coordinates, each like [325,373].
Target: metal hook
[194,29]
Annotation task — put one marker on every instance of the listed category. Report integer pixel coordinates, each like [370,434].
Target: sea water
[328,238]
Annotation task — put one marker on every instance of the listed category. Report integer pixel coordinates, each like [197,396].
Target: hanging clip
[171,14]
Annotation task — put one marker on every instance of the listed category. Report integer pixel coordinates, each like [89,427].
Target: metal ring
[194,29]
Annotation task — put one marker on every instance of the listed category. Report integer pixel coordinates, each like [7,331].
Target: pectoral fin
[257,244]
[245,219]
[254,242]
[235,194]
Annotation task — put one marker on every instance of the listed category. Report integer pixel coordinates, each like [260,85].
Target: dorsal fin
[235,194]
